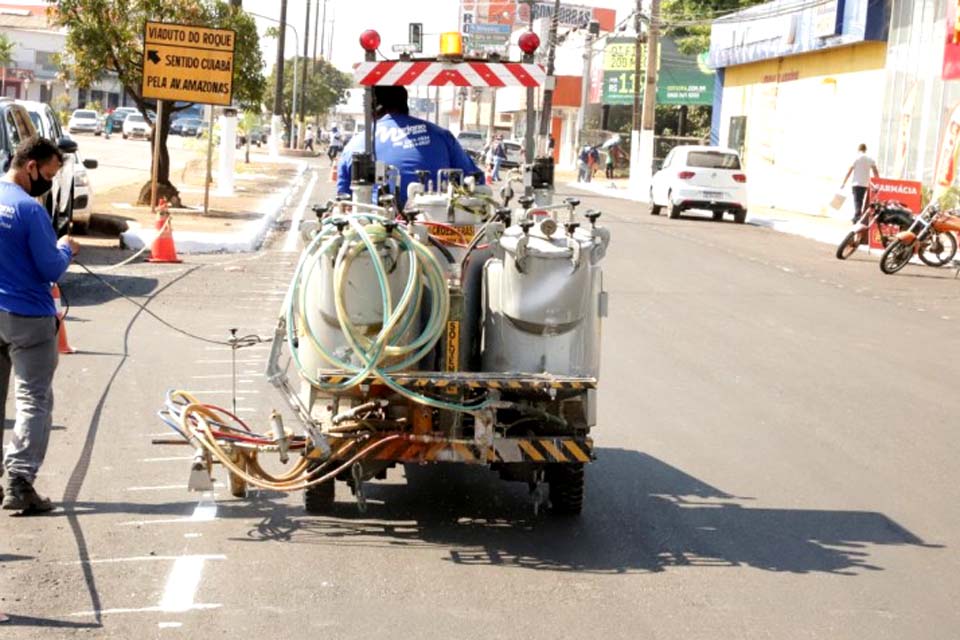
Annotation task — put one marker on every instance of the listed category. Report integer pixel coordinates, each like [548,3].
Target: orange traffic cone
[63,345]
[333,173]
[163,249]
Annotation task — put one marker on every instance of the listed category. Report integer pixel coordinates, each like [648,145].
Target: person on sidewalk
[860,170]
[407,143]
[583,164]
[608,162]
[308,140]
[498,154]
[30,259]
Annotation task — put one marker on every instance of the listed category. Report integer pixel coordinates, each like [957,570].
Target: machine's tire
[566,488]
[319,498]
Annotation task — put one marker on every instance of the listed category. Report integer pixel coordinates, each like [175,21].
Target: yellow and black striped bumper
[504,450]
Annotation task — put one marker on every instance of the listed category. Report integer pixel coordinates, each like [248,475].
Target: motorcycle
[930,236]
[889,217]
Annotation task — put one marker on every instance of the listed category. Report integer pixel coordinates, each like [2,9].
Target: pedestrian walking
[31,258]
[608,162]
[583,164]
[861,168]
[308,139]
[593,159]
[108,127]
[498,154]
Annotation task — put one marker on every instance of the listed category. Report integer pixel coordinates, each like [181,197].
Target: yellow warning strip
[553,451]
[531,450]
[577,452]
[464,452]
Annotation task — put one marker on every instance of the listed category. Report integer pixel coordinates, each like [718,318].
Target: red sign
[951,49]
[906,192]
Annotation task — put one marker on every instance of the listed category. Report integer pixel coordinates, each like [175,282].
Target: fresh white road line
[205,511]
[249,361]
[290,244]
[194,607]
[167,459]
[145,559]
[182,585]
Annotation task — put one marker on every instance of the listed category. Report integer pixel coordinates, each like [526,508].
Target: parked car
[71,194]
[472,142]
[514,157]
[700,177]
[85,121]
[119,115]
[186,126]
[135,126]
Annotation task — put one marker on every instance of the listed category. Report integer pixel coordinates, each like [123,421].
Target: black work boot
[21,496]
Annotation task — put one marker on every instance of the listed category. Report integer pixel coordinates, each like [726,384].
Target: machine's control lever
[526,201]
[320,209]
[592,216]
[341,225]
[571,227]
[526,225]
[573,202]
[410,215]
[504,215]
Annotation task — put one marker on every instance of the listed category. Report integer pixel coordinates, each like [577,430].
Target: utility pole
[592,32]
[276,122]
[316,28]
[492,126]
[642,172]
[323,31]
[303,79]
[548,92]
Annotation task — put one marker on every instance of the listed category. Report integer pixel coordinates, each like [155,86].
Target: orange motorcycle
[931,237]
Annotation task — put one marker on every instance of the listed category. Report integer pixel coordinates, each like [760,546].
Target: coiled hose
[347,237]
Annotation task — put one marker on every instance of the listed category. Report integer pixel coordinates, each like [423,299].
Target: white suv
[695,177]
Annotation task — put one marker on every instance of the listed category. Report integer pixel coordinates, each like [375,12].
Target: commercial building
[800,85]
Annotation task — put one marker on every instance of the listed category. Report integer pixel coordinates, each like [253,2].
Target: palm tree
[6,57]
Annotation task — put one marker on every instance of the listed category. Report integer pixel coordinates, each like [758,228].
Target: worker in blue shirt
[408,143]
[31,259]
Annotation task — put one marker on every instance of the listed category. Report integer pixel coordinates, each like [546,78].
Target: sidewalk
[234,223]
[829,229]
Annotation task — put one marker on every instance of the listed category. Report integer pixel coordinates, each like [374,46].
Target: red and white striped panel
[438,74]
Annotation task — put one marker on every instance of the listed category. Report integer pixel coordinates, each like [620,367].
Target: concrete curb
[249,238]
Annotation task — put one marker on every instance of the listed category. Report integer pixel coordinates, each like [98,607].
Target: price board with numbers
[619,81]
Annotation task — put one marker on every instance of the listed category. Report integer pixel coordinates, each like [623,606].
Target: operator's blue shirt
[410,144]
[30,259]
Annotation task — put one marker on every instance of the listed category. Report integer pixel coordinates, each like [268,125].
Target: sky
[347,19]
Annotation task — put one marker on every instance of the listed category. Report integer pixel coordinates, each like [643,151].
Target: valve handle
[526,201]
[389,226]
[571,227]
[526,226]
[573,202]
[340,225]
[592,217]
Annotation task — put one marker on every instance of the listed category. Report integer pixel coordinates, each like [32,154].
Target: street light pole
[642,140]
[303,77]
[585,86]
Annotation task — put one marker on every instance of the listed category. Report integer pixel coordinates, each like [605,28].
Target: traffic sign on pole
[188,63]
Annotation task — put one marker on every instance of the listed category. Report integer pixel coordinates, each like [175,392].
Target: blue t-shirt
[29,256]
[410,144]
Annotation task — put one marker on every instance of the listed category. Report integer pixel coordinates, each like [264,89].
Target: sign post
[186,63]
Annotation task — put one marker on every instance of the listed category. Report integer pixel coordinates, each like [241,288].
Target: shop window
[737,135]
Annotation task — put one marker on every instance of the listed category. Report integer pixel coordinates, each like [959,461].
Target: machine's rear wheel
[319,498]
[566,488]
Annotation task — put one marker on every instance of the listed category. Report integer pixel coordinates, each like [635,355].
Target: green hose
[361,233]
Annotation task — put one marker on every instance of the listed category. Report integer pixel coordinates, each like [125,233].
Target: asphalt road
[777,459]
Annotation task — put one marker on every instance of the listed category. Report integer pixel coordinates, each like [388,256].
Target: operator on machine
[405,142]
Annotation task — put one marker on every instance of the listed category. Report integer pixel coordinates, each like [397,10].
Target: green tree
[106,36]
[689,20]
[6,58]
[326,87]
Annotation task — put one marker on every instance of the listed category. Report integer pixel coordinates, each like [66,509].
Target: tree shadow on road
[641,515]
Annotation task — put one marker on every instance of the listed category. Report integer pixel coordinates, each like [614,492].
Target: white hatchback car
[696,177]
[135,126]
[85,120]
